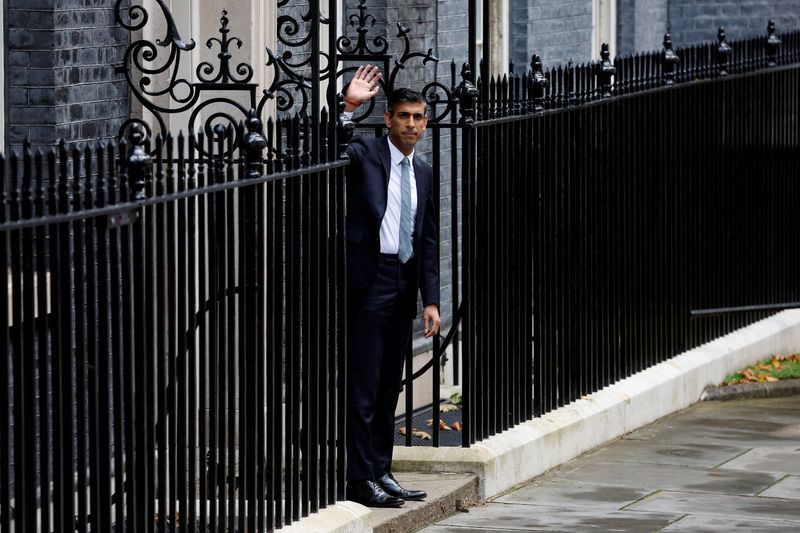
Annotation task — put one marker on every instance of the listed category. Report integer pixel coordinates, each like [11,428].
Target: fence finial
[467,95]
[773,43]
[669,61]
[724,52]
[138,162]
[254,144]
[538,82]
[605,71]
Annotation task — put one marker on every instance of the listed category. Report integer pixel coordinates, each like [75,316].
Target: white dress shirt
[390,225]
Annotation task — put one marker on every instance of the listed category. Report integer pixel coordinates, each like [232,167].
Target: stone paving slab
[788,487]
[562,493]
[669,477]
[715,524]
[716,467]
[785,460]
[515,517]
[723,505]
[744,423]
[666,453]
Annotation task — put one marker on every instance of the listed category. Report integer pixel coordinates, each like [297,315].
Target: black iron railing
[174,333]
[177,304]
[606,206]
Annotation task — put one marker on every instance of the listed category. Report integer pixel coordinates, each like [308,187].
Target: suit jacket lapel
[386,158]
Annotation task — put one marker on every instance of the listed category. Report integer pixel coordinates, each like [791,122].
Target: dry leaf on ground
[402,430]
[421,434]
[446,408]
[442,425]
[456,425]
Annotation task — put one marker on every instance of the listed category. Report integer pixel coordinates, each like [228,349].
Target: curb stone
[773,389]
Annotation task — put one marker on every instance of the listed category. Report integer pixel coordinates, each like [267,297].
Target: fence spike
[88,190]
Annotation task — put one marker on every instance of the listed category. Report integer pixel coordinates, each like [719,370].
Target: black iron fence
[174,329]
[173,312]
[596,236]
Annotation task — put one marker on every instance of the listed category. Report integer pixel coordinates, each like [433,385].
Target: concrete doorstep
[447,494]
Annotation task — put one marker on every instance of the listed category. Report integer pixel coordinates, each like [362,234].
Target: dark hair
[399,96]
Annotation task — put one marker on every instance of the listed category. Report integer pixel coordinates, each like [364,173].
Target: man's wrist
[350,105]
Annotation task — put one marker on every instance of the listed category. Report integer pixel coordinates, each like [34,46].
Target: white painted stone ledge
[533,447]
[343,517]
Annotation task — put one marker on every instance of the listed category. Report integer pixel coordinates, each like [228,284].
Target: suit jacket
[367,186]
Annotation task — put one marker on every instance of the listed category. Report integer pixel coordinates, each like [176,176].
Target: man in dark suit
[391,255]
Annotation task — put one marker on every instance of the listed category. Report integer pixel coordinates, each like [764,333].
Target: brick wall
[556,30]
[61,58]
[641,25]
[29,69]
[698,20]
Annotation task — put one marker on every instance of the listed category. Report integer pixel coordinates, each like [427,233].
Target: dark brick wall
[641,25]
[558,31]
[61,62]
[30,73]
[698,20]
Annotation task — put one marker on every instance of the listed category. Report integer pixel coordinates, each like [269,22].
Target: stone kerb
[530,449]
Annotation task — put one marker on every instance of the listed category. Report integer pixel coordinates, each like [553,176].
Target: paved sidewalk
[715,467]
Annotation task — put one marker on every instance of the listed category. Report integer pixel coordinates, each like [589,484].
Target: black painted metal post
[605,72]
[773,44]
[669,61]
[539,83]
[722,54]
[467,95]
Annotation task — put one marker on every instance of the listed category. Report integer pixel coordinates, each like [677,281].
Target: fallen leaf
[770,378]
[421,434]
[442,425]
[587,397]
[456,425]
[749,375]
[776,363]
[446,408]
[402,430]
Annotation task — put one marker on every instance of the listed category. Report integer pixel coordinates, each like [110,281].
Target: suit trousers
[379,329]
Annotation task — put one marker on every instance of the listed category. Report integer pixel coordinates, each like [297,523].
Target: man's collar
[397,155]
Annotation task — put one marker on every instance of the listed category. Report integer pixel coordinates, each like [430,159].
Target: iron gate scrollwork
[151,69]
[225,89]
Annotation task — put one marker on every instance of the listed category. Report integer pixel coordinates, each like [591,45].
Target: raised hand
[362,87]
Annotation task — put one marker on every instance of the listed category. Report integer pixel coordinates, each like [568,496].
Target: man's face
[406,125]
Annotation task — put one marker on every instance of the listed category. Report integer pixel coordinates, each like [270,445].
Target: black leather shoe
[389,484]
[371,494]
